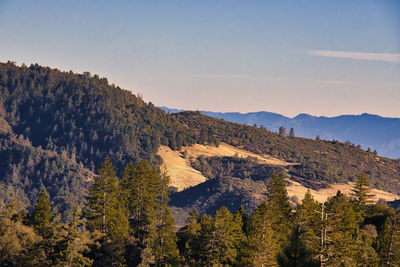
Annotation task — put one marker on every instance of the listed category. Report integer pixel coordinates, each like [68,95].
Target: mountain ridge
[368,130]
[57,127]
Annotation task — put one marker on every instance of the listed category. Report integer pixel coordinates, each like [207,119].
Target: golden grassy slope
[183,175]
[298,190]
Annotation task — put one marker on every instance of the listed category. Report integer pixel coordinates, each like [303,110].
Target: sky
[323,58]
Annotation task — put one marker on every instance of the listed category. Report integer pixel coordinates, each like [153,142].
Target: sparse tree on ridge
[291,133]
[282,131]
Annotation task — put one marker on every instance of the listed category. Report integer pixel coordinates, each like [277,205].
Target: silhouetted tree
[282,131]
[291,133]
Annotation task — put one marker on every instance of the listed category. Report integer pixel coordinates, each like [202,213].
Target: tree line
[127,222]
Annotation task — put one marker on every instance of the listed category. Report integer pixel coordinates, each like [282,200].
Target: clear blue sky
[290,57]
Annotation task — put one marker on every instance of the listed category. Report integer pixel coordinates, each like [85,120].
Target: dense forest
[57,127]
[127,222]
[81,185]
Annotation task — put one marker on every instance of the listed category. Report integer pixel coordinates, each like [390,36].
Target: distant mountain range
[370,131]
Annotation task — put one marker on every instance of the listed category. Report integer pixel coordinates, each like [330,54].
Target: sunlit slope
[298,190]
[183,175]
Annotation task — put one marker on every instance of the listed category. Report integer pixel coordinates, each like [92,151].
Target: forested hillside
[127,222]
[368,130]
[80,185]
[318,162]
[56,127]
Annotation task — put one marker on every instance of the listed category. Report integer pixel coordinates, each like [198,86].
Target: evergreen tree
[18,241]
[282,131]
[102,201]
[74,243]
[220,238]
[296,253]
[142,193]
[308,217]
[105,213]
[367,255]
[279,208]
[42,213]
[390,251]
[188,239]
[164,247]
[361,192]
[343,238]
[291,133]
[262,243]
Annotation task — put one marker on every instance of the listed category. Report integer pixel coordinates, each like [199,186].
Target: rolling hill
[56,128]
[369,131]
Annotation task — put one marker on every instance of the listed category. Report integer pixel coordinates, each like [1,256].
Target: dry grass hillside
[183,175]
[298,190]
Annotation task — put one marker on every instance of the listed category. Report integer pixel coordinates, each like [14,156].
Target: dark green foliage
[262,243]
[78,119]
[220,167]
[220,238]
[56,127]
[343,243]
[42,213]
[25,169]
[107,214]
[361,192]
[145,192]
[279,207]
[296,253]
[85,115]
[390,241]
[165,240]
[102,201]
[211,195]
[308,217]
[188,237]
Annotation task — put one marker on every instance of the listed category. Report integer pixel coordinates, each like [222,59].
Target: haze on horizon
[320,58]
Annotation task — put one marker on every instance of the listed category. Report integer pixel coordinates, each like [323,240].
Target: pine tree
[74,243]
[361,192]
[188,239]
[42,213]
[296,253]
[102,199]
[141,190]
[164,247]
[390,252]
[279,208]
[18,241]
[282,131]
[291,133]
[343,238]
[262,243]
[308,217]
[220,238]
[105,212]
